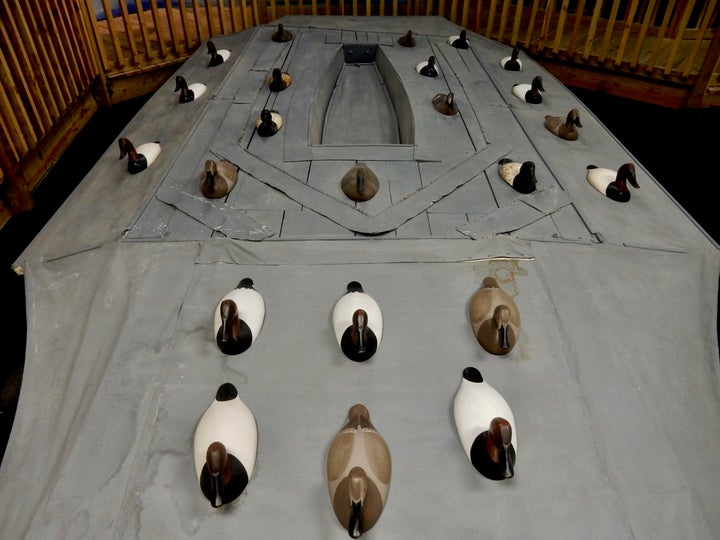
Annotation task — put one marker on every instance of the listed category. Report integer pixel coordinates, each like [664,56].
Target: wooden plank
[610,24]
[560,26]
[516,25]
[491,18]
[158,28]
[531,26]
[544,28]
[643,32]
[679,37]
[576,25]
[627,27]
[705,23]
[503,20]
[591,32]
[661,35]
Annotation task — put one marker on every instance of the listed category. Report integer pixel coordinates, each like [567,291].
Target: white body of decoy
[613,184]
[239,318]
[139,158]
[217,56]
[486,426]
[358,323]
[225,447]
[188,92]
[530,93]
[358,473]
[520,176]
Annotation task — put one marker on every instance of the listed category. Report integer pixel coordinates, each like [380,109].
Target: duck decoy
[521,176]
[486,426]
[239,318]
[530,93]
[279,81]
[188,92]
[141,158]
[494,317]
[358,323]
[358,473]
[428,69]
[613,184]
[459,42]
[281,35]
[512,63]
[445,104]
[565,128]
[225,447]
[360,183]
[217,57]
[269,123]
[218,178]
[407,40]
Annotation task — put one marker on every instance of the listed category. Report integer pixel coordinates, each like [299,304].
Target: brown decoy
[565,128]
[407,40]
[218,178]
[360,183]
[494,318]
[281,35]
[445,104]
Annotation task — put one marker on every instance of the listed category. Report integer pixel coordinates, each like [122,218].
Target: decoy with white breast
[459,42]
[139,158]
[217,56]
[358,323]
[188,92]
[407,40]
[521,176]
[279,81]
[225,447]
[238,318]
[358,473]
[512,63]
[429,68]
[269,123]
[445,104]
[530,93]
[218,178]
[486,426]
[360,183]
[565,128]
[494,317]
[281,35]
[613,184]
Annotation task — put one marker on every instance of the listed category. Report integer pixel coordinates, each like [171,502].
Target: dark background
[675,146]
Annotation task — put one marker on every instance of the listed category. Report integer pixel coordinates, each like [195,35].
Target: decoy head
[499,445]
[463,36]
[573,117]
[266,116]
[359,330]
[180,83]
[537,84]
[211,49]
[277,75]
[208,179]
[234,335]
[126,147]
[626,173]
[501,318]
[217,463]
[431,61]
[514,54]
[357,491]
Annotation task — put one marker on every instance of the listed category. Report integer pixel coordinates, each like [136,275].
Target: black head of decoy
[186,95]
[281,35]
[407,40]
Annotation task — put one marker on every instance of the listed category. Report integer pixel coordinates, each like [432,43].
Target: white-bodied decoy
[521,176]
[358,473]
[238,318]
[139,158]
[613,184]
[217,56]
[358,323]
[459,42]
[225,447]
[429,68]
[565,128]
[188,92]
[218,178]
[530,93]
[269,123]
[486,426]
[512,63]
[494,317]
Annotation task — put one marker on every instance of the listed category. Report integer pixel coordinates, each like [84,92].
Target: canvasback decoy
[188,92]
[358,473]
[486,426]
[238,318]
[225,447]
[217,57]
[428,69]
[613,184]
[279,81]
[281,35]
[218,178]
[521,176]
[445,104]
[407,40]
[358,323]
[512,63]
[139,158]
[269,123]
[459,42]
[530,93]
[360,183]
[565,128]
[494,317]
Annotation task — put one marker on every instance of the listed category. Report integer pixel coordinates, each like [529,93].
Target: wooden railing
[60,58]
